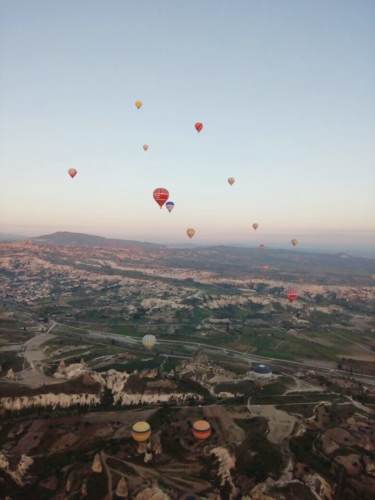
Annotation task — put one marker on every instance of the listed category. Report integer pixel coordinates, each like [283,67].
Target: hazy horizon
[285,92]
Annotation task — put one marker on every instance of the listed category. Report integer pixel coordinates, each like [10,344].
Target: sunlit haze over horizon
[285,92]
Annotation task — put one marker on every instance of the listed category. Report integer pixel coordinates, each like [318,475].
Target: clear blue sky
[285,91]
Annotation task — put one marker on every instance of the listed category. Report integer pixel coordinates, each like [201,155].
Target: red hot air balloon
[261,247]
[72,172]
[265,266]
[198,126]
[161,195]
[291,294]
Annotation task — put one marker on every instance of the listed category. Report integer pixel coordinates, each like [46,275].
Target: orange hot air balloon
[141,432]
[261,247]
[161,195]
[72,172]
[199,127]
[294,242]
[138,104]
[265,266]
[291,294]
[201,430]
[145,147]
[190,232]
[231,180]
[255,226]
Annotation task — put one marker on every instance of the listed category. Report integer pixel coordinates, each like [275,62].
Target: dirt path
[280,423]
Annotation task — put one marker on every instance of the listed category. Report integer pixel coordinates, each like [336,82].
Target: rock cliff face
[19,472]
[152,494]
[52,400]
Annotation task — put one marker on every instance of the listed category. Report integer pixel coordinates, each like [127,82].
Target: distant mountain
[63,238]
[11,237]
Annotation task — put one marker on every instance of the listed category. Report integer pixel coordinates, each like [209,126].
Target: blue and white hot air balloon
[169,205]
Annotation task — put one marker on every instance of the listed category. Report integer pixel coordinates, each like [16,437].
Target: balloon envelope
[199,126]
[72,172]
[261,247]
[291,294]
[148,342]
[161,195]
[169,206]
[231,180]
[266,266]
[141,432]
[145,147]
[120,259]
[294,242]
[190,232]
[138,104]
[201,430]
[255,226]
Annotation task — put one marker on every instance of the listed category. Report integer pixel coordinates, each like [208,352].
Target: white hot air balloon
[148,342]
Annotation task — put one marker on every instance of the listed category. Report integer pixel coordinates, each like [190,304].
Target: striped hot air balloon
[161,195]
[148,342]
[201,430]
[291,294]
[141,432]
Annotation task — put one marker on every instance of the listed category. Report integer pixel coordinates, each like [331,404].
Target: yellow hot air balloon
[148,342]
[255,226]
[294,242]
[141,432]
[231,180]
[201,430]
[190,232]
[138,104]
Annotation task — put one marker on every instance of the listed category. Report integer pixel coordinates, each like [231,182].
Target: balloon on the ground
[190,232]
[261,247]
[201,430]
[231,180]
[294,242]
[145,147]
[291,294]
[255,226]
[161,195]
[138,104]
[169,206]
[72,172]
[148,342]
[198,126]
[141,432]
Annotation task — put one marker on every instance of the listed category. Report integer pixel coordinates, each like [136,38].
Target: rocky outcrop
[200,357]
[149,373]
[97,464]
[122,489]
[50,400]
[227,462]
[11,375]
[84,490]
[152,494]
[18,474]
[151,398]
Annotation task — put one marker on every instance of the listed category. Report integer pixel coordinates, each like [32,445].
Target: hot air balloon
[141,432]
[161,195]
[148,342]
[190,232]
[300,280]
[255,226]
[261,247]
[138,104]
[291,294]
[198,126]
[231,180]
[294,242]
[121,259]
[169,206]
[72,172]
[145,147]
[201,430]
[265,266]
